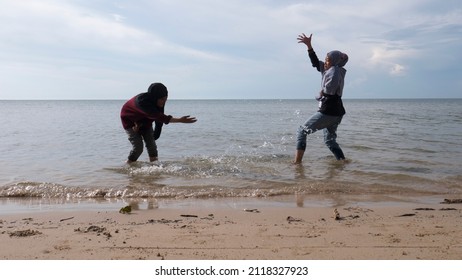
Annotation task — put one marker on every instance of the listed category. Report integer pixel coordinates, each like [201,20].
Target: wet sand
[430,231]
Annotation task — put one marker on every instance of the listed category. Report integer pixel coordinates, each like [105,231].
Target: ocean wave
[236,189]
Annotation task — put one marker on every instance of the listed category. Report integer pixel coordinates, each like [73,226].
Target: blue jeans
[136,139]
[321,121]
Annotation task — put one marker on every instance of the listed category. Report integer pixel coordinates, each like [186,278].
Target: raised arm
[313,57]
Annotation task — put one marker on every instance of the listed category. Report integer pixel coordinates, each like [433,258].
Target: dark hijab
[147,101]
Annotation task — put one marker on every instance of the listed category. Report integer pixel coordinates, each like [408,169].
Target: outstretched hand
[187,119]
[305,40]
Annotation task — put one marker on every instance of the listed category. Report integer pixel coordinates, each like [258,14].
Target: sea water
[65,151]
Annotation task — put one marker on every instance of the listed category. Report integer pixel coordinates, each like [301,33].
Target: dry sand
[412,231]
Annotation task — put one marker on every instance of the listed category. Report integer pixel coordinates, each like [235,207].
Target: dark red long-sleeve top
[131,114]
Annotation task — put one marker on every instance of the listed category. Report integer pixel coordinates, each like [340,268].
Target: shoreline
[20,205]
[239,230]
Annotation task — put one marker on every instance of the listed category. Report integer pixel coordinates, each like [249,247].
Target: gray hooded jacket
[332,82]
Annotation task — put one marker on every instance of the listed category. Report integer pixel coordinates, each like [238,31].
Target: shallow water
[69,150]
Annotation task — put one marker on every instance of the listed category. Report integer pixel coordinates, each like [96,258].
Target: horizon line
[224,99]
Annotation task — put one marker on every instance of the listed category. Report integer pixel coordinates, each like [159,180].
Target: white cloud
[397,70]
[118,17]
[211,43]
[60,23]
[390,59]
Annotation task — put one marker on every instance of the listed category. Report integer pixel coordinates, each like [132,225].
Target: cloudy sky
[227,49]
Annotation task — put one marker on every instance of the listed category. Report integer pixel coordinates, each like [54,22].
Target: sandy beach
[409,231]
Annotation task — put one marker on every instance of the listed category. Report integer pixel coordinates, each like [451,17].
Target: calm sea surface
[67,151]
